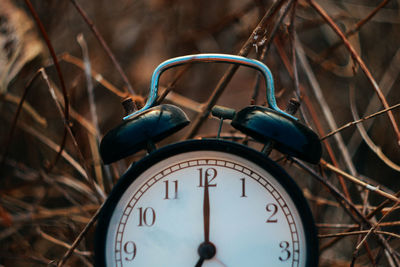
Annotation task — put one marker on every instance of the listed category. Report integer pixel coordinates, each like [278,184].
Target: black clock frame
[250,154]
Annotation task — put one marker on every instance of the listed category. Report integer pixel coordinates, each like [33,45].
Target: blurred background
[334,57]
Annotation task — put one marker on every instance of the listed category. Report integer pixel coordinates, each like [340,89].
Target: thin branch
[326,111]
[324,201]
[347,125]
[377,150]
[92,182]
[79,238]
[292,38]
[7,141]
[387,82]
[358,233]
[27,107]
[310,107]
[183,101]
[62,243]
[60,77]
[358,59]
[278,24]
[340,225]
[172,84]
[94,140]
[359,182]
[223,82]
[390,251]
[104,45]
[381,206]
[341,199]
[214,29]
[44,214]
[353,30]
[95,75]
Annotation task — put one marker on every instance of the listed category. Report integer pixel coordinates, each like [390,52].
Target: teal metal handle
[221,58]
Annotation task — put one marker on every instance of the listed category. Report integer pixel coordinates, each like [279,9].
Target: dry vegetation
[340,58]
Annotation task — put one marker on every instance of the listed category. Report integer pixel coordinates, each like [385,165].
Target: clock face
[256,215]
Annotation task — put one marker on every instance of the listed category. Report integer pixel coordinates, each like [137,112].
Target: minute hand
[206,211]
[206,249]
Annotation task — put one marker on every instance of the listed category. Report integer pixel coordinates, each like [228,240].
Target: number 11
[167,189]
[243,187]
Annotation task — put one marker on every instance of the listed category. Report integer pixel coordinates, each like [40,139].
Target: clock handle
[222,58]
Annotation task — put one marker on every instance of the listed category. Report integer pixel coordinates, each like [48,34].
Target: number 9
[130,249]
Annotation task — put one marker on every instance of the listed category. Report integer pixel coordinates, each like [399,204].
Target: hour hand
[199,262]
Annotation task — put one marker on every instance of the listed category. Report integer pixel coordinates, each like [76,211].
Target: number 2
[271,207]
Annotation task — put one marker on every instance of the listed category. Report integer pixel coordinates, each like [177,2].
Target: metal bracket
[221,58]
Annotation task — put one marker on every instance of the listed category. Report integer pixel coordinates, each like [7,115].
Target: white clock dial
[159,218]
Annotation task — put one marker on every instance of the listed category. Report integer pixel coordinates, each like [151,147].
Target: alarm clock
[207,202]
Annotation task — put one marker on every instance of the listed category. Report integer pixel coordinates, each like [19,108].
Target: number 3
[285,249]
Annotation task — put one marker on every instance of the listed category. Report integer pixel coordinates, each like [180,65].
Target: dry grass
[61,85]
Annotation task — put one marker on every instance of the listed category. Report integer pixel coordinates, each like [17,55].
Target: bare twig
[223,82]
[172,84]
[217,27]
[342,200]
[338,195]
[347,125]
[386,83]
[7,142]
[381,206]
[329,118]
[27,107]
[372,230]
[359,182]
[79,238]
[184,101]
[353,30]
[60,77]
[97,76]
[95,186]
[292,37]
[358,59]
[62,243]
[104,45]
[306,100]
[94,140]
[358,233]
[338,225]
[328,114]
[44,214]
[377,150]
